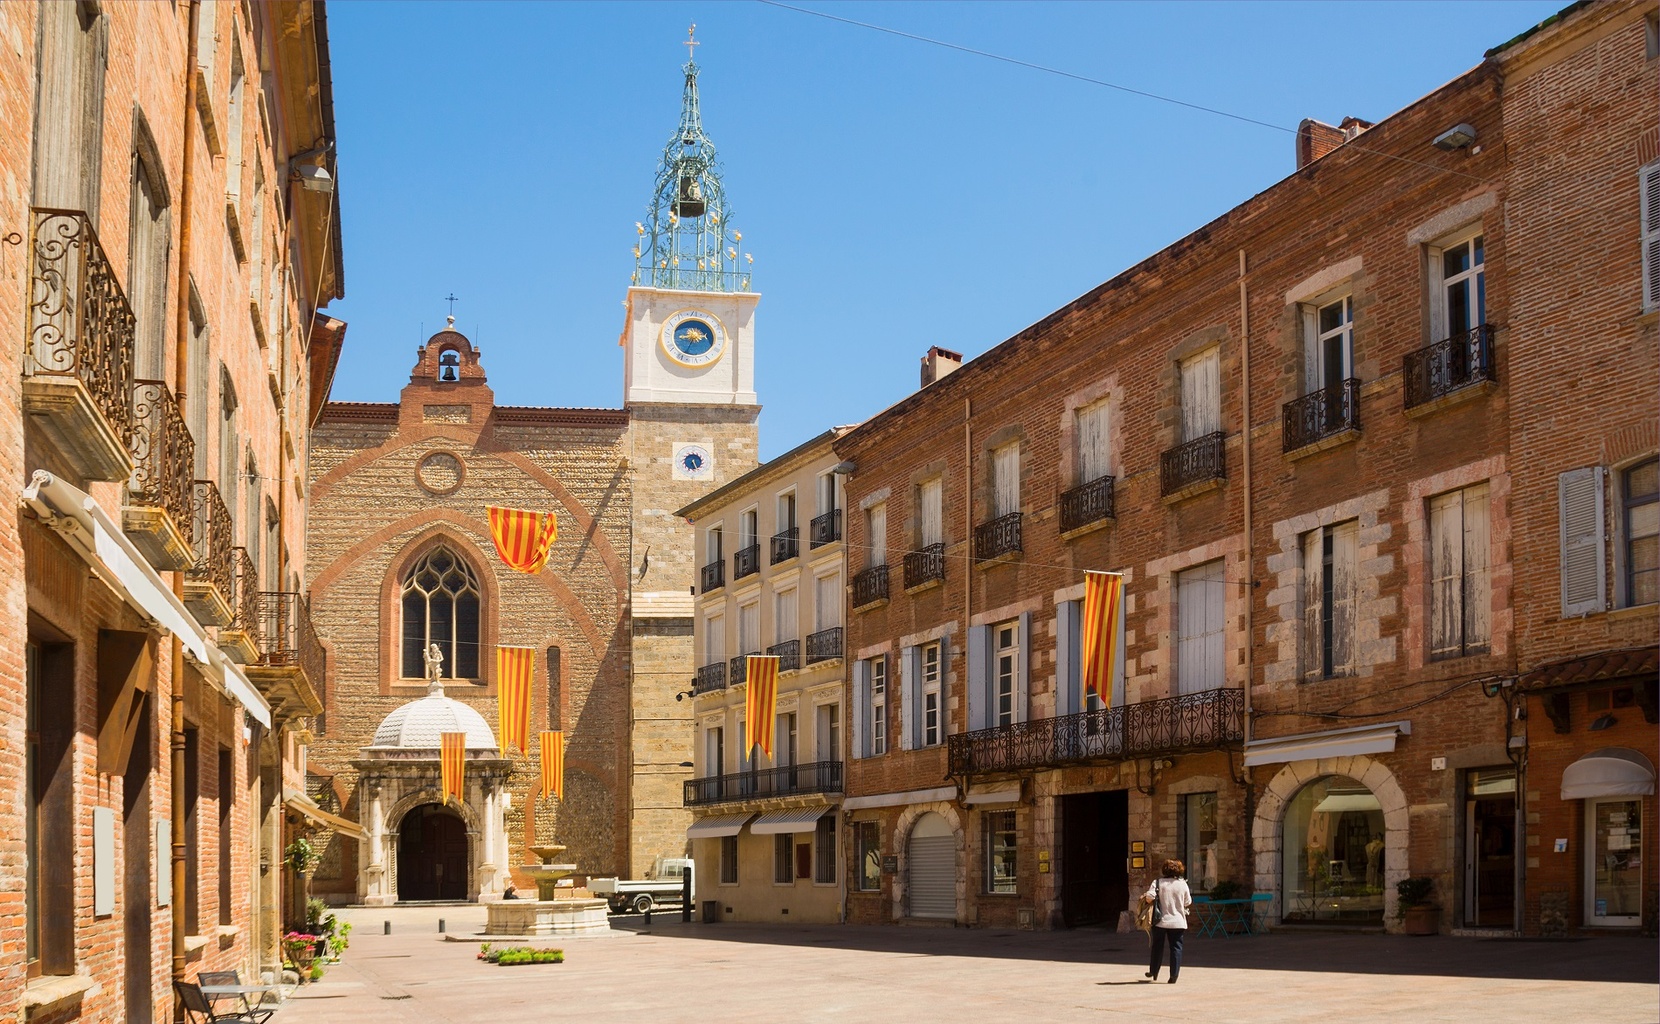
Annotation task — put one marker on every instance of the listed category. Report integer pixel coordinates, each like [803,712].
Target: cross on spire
[450,298]
[690,42]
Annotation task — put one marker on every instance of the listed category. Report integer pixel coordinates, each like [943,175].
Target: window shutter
[945,687]
[878,538]
[1314,376]
[932,492]
[1345,565]
[1068,641]
[1313,597]
[910,698]
[1446,574]
[1650,179]
[1437,296]
[1006,480]
[715,644]
[1478,599]
[1092,443]
[979,674]
[1584,582]
[1023,673]
[861,708]
[1216,593]
[1202,395]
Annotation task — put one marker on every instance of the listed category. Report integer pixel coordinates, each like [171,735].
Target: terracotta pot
[1421,920]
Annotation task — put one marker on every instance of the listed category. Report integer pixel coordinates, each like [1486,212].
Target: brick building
[403,557]
[168,175]
[1322,438]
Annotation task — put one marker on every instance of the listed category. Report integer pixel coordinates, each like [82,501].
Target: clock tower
[689,387]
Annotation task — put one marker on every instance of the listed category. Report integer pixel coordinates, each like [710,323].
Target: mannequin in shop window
[1374,860]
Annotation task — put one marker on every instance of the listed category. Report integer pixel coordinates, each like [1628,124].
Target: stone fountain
[549,913]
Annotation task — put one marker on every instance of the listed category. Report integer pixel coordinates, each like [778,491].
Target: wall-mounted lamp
[1493,687]
[843,468]
[1162,763]
[683,694]
[1456,137]
[314,178]
[1604,722]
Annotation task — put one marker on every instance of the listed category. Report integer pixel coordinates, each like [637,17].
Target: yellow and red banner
[452,764]
[1103,632]
[515,672]
[553,764]
[761,670]
[523,538]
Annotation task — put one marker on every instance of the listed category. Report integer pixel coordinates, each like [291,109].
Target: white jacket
[1173,900]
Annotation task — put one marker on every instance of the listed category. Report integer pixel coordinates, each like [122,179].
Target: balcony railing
[1325,413]
[286,636]
[925,566]
[79,354]
[1198,461]
[824,645]
[825,529]
[710,677]
[737,670]
[746,562]
[1088,504]
[714,576]
[870,586]
[786,545]
[788,654]
[759,783]
[159,515]
[999,537]
[1172,725]
[210,583]
[1448,366]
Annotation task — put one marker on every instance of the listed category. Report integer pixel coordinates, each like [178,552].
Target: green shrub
[1414,892]
[1228,889]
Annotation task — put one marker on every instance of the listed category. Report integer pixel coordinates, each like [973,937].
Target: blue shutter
[979,675]
[910,698]
[861,709]
[1068,626]
[1023,675]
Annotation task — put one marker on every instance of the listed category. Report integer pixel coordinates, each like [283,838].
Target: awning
[716,825]
[1009,794]
[1308,746]
[112,557]
[1337,803]
[795,819]
[306,807]
[915,796]
[1611,771]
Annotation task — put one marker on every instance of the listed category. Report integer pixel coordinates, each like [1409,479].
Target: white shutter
[878,534]
[1068,644]
[932,524]
[1584,581]
[910,698]
[861,708]
[749,628]
[979,674]
[786,624]
[1200,598]
[1477,595]
[945,687]
[1446,574]
[1093,443]
[1005,476]
[1201,394]
[1345,567]
[1313,597]
[829,602]
[1437,296]
[1314,375]
[714,644]
[1649,178]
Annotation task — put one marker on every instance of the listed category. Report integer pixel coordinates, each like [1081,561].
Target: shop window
[1331,845]
[1000,851]
[869,853]
[1197,821]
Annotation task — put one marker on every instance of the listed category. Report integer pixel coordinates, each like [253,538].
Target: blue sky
[895,194]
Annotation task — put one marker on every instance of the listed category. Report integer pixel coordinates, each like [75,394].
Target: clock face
[692,462]
[694,338]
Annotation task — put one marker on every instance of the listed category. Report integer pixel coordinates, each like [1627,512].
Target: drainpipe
[181,375]
[1250,554]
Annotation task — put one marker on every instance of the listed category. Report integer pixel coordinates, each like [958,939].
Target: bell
[690,202]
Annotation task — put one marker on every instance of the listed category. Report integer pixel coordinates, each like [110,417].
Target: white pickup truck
[663,884]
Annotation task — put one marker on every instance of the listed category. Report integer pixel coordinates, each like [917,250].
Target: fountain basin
[548,914]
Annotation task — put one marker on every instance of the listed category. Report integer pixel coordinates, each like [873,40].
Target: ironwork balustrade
[1090,503]
[245,605]
[286,636]
[1321,414]
[1449,365]
[214,565]
[870,585]
[786,545]
[746,561]
[1198,461]
[788,654]
[164,456]
[710,677]
[925,566]
[737,671]
[759,783]
[1170,725]
[1000,536]
[824,645]
[825,529]
[714,576]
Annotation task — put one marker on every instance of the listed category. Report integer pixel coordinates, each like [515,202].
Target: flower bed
[513,956]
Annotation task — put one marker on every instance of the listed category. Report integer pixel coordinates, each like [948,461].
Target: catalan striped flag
[452,764]
[523,538]
[515,670]
[760,701]
[553,764]
[1103,632]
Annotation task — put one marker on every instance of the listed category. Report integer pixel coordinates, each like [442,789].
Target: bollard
[648,919]
[386,928]
[440,926]
[686,896]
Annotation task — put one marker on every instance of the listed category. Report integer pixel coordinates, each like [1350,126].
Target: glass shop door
[1613,862]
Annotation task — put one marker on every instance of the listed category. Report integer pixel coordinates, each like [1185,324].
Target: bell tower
[689,387]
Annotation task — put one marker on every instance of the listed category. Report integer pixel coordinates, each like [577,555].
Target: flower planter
[1421,920]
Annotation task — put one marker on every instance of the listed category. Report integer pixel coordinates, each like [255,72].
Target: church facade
[402,558]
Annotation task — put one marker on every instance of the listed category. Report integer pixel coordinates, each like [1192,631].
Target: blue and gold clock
[693,462]
[694,338]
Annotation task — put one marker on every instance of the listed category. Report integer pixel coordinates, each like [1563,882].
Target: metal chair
[197,1006]
[247,1009]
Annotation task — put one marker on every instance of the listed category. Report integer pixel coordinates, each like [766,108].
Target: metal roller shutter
[932,865]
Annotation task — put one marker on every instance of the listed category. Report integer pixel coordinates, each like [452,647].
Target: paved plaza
[737,973]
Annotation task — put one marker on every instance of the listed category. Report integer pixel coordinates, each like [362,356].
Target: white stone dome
[420,725]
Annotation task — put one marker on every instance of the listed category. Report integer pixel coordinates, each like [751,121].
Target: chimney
[1316,138]
[938,363]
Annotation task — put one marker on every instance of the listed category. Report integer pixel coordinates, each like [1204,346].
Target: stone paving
[741,973]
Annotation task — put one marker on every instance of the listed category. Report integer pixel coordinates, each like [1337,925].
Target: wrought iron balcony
[1449,366]
[291,667]
[925,566]
[240,639]
[786,545]
[788,654]
[210,583]
[714,576]
[159,514]
[870,586]
[78,357]
[825,529]
[1088,504]
[760,783]
[825,645]
[746,562]
[1172,725]
[1321,415]
[1193,463]
[710,677]
[999,537]
[737,670]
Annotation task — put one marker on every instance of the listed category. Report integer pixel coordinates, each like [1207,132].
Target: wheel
[642,903]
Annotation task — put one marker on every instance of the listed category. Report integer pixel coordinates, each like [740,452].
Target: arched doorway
[931,867]
[432,855]
[1332,853]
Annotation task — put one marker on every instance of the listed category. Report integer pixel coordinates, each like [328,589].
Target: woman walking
[1170,902]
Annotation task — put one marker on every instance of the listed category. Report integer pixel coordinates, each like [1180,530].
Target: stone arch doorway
[432,855]
[931,864]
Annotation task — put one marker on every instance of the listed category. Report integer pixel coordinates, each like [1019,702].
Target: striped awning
[795,819]
[717,825]
[307,808]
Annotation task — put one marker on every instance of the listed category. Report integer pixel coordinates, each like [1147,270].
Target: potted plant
[301,948]
[301,856]
[1416,908]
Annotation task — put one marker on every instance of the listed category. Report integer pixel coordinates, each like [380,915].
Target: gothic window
[440,606]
